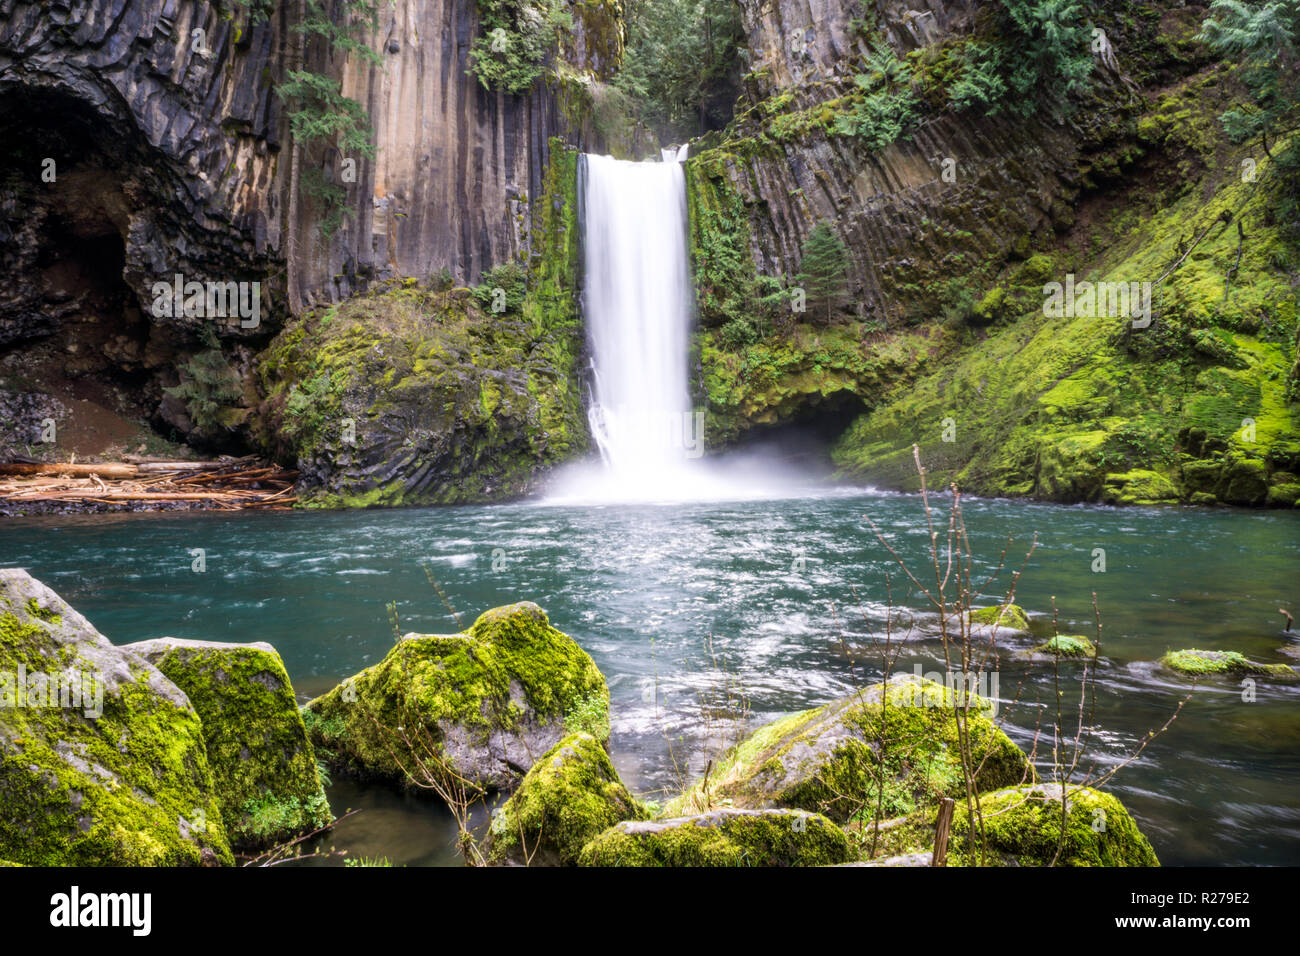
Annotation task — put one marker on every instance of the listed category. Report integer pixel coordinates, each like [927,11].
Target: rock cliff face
[958,189]
[145,139]
[141,131]
[953,230]
[455,166]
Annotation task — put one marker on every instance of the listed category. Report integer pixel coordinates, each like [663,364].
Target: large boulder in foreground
[1023,827]
[120,779]
[723,838]
[488,702]
[262,763]
[571,795]
[830,759]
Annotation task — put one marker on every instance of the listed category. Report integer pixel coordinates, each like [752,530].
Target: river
[708,618]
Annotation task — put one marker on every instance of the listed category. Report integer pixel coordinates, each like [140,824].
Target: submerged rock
[1023,827]
[488,701]
[114,775]
[571,795]
[723,838]
[262,763]
[1197,663]
[1007,617]
[828,760]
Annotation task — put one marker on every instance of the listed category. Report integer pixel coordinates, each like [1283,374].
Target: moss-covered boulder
[1006,617]
[262,763]
[102,758]
[1198,663]
[488,701]
[1138,487]
[723,838]
[830,760]
[569,797]
[1023,828]
[436,395]
[1244,481]
[1067,645]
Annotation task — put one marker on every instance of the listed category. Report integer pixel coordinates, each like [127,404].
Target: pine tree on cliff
[823,273]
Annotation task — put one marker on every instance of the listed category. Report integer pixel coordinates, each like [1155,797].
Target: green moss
[723,838]
[1197,663]
[1023,827]
[1009,617]
[447,403]
[571,795]
[510,677]
[1084,408]
[1068,645]
[262,763]
[130,786]
[1138,487]
[829,759]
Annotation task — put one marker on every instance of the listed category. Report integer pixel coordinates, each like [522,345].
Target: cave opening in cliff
[803,440]
[70,325]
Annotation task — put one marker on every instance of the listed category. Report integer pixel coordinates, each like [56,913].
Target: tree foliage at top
[1043,49]
[682,64]
[515,38]
[1263,36]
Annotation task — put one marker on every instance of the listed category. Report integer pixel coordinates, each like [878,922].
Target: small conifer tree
[823,273]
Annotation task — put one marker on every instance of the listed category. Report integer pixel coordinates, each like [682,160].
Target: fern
[1264,38]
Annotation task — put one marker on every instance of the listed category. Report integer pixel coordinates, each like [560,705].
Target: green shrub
[511,279]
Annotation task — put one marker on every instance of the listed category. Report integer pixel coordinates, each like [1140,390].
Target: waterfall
[637,303]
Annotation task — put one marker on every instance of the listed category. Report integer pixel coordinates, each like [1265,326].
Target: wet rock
[1198,663]
[829,760]
[1024,828]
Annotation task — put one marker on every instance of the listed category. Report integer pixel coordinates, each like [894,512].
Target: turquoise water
[708,618]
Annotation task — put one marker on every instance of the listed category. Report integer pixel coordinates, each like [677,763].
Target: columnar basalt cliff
[146,140]
[954,221]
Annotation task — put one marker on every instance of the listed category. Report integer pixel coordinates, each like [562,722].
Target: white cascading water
[637,306]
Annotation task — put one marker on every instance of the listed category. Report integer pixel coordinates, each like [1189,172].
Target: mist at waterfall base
[637,306]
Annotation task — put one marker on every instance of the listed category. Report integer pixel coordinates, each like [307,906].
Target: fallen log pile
[225,485]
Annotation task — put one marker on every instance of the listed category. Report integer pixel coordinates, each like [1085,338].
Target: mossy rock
[723,838]
[1007,617]
[1197,663]
[1067,645]
[404,395]
[1283,496]
[262,763]
[1023,828]
[570,796]
[122,784]
[1244,481]
[827,760]
[1138,487]
[489,701]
